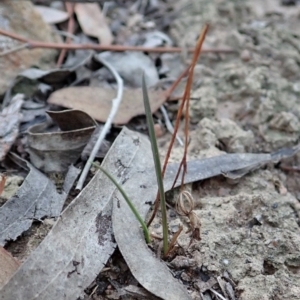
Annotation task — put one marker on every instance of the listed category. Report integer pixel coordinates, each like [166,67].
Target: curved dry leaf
[56,151]
[96,101]
[80,243]
[93,22]
[51,15]
[36,198]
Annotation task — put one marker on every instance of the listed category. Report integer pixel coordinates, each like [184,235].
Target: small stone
[245,55]
[158,130]
[185,276]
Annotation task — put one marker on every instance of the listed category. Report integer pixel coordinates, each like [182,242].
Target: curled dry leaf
[93,22]
[36,198]
[96,101]
[56,151]
[185,207]
[10,118]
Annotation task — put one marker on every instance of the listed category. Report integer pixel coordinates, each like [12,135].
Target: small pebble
[245,55]
[158,130]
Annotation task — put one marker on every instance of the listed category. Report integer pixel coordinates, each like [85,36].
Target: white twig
[115,105]
[217,294]
[169,124]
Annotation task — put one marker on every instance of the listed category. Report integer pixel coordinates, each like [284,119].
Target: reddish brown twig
[176,82]
[189,70]
[185,101]
[39,44]
[167,95]
[71,26]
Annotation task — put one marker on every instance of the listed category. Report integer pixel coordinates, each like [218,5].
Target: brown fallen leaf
[2,183]
[96,101]
[9,266]
[56,151]
[93,22]
[18,15]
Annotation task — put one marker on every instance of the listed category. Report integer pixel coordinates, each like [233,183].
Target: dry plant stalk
[174,239]
[185,101]
[185,207]
[71,27]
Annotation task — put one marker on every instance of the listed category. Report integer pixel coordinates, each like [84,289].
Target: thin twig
[169,124]
[179,114]
[174,240]
[71,26]
[176,82]
[167,95]
[15,49]
[115,105]
[185,102]
[31,44]
[217,294]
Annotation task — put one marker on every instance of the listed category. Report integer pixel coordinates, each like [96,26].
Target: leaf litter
[36,199]
[84,228]
[259,90]
[96,101]
[93,23]
[55,149]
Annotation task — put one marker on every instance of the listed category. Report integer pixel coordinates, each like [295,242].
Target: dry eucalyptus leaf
[15,16]
[10,119]
[9,266]
[51,15]
[93,22]
[56,151]
[81,242]
[36,198]
[96,101]
[139,184]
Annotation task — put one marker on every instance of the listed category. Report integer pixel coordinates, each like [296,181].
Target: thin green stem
[157,166]
[130,204]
